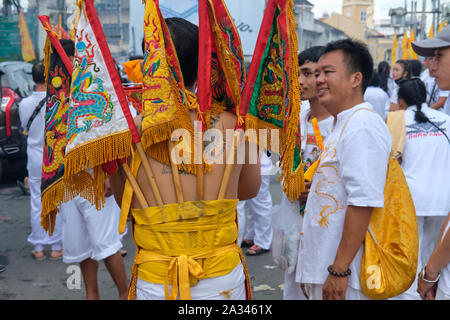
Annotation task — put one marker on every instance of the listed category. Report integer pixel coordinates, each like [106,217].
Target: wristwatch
[423,274]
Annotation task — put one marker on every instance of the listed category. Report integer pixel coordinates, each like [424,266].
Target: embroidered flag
[58,71]
[134,96]
[28,53]
[165,106]
[272,92]
[221,76]
[98,131]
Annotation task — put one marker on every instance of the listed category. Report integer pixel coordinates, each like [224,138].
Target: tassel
[97,152]
[293,178]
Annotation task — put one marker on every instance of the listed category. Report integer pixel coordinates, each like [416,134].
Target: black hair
[375,81]
[312,54]
[407,67]
[416,68]
[68,46]
[414,92]
[38,72]
[384,73]
[185,39]
[357,58]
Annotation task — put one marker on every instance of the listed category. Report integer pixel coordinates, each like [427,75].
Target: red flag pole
[204,83]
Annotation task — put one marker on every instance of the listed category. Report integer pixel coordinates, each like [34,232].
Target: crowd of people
[355,107]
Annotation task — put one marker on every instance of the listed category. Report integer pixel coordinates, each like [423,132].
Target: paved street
[28,279]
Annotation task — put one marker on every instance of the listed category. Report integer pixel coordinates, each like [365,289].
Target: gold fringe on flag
[227,64]
[293,180]
[62,191]
[92,155]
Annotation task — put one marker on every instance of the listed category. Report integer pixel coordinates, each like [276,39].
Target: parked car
[16,83]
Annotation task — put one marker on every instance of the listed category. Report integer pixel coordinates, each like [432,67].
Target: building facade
[310,31]
[359,10]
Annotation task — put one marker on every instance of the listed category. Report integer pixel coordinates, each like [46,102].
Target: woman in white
[402,71]
[377,97]
[426,164]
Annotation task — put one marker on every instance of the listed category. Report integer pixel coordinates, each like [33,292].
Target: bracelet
[422,275]
[337,274]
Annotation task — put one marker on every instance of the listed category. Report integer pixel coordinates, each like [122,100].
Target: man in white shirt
[350,180]
[310,150]
[32,117]
[434,279]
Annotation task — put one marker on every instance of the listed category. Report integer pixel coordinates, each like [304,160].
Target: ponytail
[414,92]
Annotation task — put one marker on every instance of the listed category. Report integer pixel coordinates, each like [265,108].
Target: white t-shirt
[352,172]
[310,150]
[391,86]
[426,162]
[446,108]
[27,106]
[379,100]
[394,95]
[444,281]
[35,138]
[266,164]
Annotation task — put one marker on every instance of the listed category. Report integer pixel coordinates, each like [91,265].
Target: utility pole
[423,22]
[119,22]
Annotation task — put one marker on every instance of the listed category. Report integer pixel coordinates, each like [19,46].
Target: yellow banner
[405,46]
[412,53]
[27,45]
[431,32]
[394,50]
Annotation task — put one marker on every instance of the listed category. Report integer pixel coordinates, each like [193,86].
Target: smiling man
[350,179]
[310,150]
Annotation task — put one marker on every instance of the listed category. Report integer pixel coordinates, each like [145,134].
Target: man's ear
[356,80]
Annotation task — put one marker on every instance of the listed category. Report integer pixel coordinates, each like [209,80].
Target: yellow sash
[181,243]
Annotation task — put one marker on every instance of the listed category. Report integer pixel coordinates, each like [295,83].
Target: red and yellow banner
[272,93]
[28,53]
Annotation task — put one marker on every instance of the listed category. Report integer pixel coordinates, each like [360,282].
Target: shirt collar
[344,114]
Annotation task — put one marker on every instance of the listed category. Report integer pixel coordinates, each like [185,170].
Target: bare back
[244,179]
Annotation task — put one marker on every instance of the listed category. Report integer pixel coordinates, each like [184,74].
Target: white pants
[88,233]
[38,236]
[227,287]
[259,217]
[429,229]
[292,289]
[440,295]
[314,292]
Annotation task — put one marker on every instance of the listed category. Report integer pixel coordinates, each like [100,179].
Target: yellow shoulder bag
[389,262]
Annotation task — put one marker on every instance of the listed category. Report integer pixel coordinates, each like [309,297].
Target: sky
[381,7]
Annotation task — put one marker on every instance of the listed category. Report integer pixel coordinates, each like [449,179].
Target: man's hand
[426,290]
[334,288]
